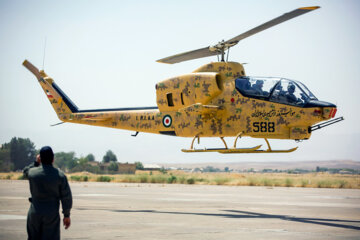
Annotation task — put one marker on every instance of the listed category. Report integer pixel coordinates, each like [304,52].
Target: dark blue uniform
[48,186]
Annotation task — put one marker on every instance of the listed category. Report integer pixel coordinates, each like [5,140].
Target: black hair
[46,155]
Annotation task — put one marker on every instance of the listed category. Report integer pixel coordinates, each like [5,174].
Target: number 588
[264,126]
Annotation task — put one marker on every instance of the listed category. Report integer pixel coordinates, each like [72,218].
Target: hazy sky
[102,54]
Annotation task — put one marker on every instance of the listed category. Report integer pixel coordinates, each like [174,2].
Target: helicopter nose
[329,112]
[326,112]
[326,109]
[319,104]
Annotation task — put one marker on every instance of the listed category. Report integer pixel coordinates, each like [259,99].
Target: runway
[158,211]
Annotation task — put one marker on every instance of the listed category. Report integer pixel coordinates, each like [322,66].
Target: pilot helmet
[259,82]
[291,88]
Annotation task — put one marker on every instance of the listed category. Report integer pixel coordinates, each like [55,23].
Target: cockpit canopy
[279,90]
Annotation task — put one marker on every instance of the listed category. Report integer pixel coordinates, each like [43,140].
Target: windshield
[306,90]
[256,86]
[274,89]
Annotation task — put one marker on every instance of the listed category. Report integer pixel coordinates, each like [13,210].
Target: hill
[307,165]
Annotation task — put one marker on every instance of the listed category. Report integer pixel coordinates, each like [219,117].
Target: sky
[102,54]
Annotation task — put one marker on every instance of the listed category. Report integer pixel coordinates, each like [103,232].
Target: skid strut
[198,138]
[234,149]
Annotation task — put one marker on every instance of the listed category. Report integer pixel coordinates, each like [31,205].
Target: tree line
[20,152]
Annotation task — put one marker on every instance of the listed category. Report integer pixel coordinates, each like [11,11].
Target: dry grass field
[312,180]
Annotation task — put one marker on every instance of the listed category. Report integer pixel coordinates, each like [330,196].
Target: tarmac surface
[157,211]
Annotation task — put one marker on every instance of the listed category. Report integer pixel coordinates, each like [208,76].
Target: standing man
[48,186]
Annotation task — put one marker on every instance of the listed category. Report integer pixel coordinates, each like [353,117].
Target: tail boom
[145,119]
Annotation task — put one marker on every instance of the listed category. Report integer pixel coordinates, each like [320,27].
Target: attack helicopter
[216,100]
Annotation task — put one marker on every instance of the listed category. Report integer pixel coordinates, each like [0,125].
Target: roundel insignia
[167,120]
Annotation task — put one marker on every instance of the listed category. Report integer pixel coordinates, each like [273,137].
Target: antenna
[44,55]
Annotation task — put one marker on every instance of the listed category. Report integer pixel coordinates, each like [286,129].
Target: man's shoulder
[35,170]
[60,172]
[47,170]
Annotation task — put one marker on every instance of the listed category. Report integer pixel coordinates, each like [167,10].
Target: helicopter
[216,100]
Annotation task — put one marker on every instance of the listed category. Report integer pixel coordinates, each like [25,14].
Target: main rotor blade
[181,57]
[271,23]
[219,48]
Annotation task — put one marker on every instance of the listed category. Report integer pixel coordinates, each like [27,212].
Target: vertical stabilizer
[58,99]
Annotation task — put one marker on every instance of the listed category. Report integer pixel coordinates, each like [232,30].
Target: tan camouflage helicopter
[215,100]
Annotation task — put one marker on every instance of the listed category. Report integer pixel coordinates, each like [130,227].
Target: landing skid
[224,150]
[227,150]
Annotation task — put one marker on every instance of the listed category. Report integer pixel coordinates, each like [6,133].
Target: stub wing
[202,109]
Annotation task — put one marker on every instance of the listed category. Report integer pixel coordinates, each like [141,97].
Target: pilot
[247,84]
[279,88]
[278,92]
[243,84]
[304,97]
[291,98]
[257,87]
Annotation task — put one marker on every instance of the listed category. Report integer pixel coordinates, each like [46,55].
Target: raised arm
[33,164]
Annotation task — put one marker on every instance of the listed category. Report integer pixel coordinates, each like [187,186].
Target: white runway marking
[98,195]
[11,217]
